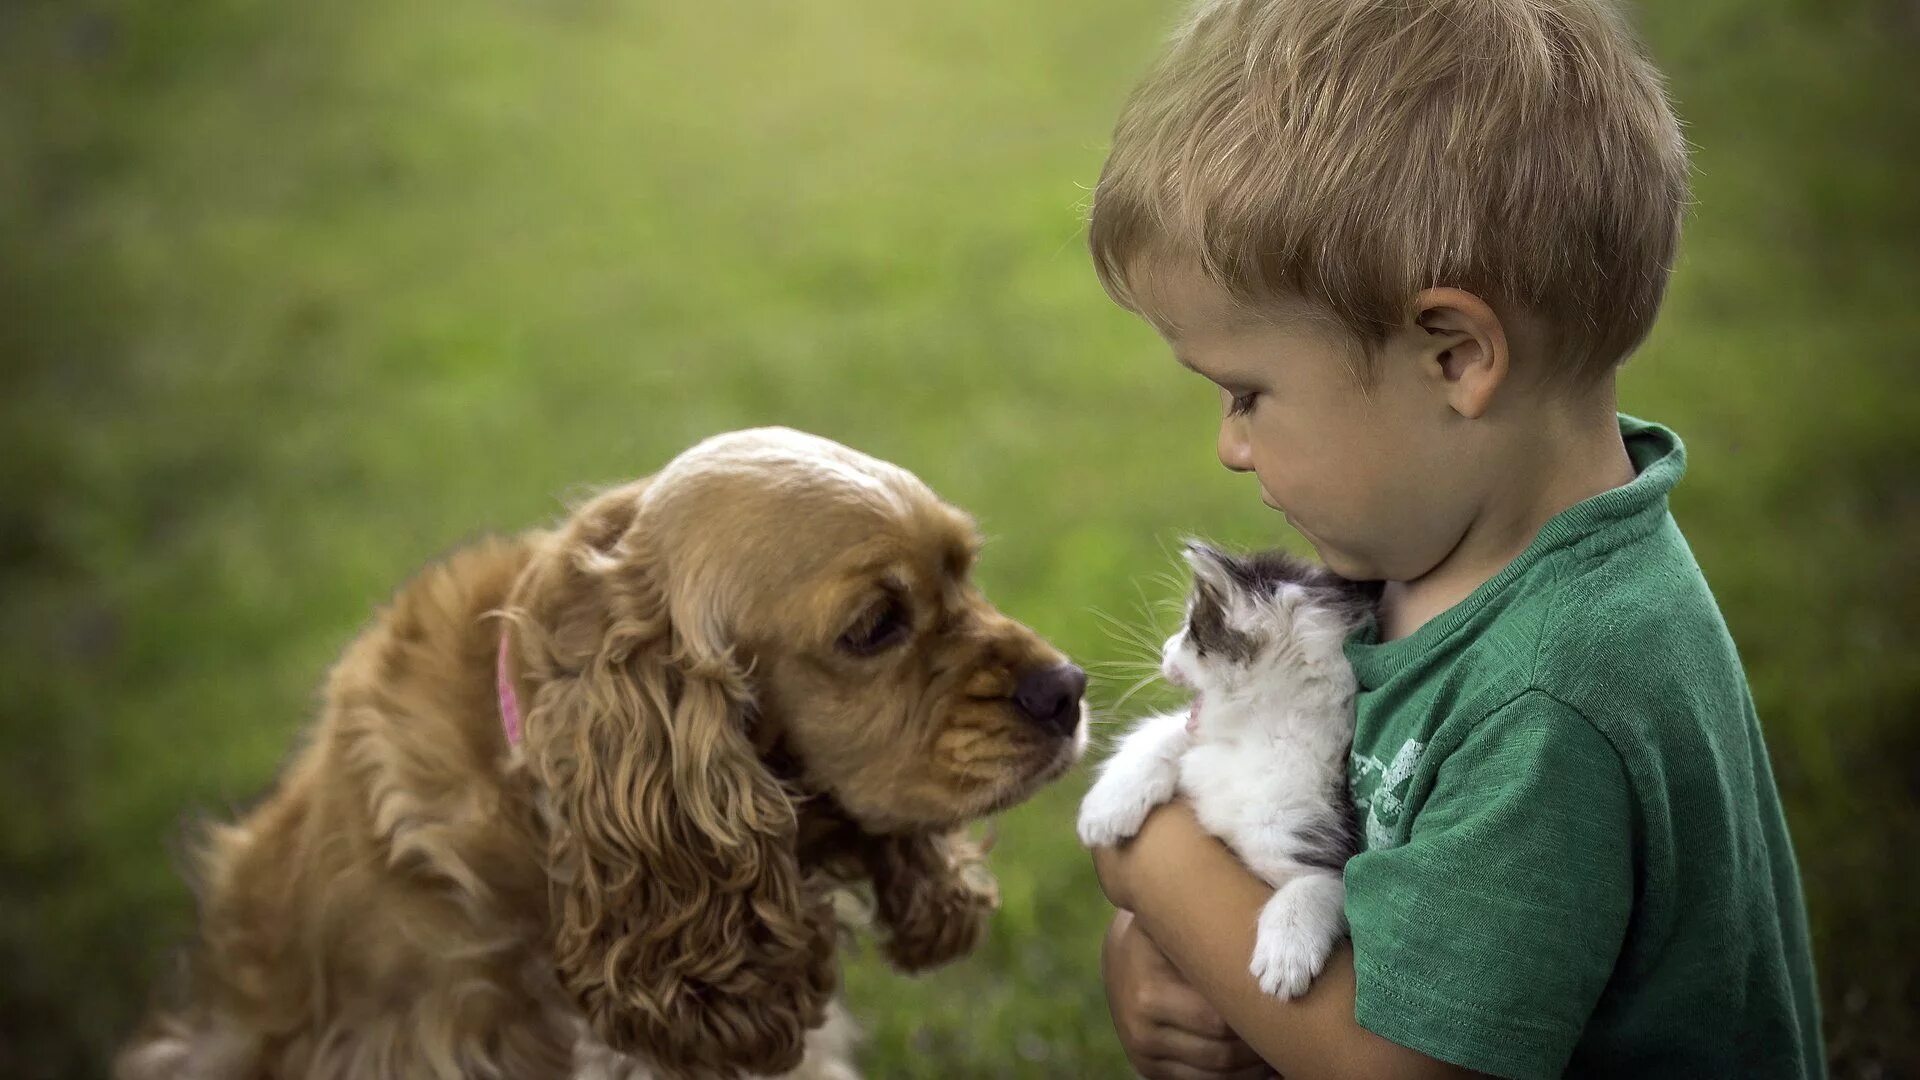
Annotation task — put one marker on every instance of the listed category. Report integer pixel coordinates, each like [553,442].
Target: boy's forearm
[1195,900]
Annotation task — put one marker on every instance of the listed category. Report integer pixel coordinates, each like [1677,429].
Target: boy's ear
[1462,347]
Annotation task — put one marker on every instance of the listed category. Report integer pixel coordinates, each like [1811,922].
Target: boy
[1411,241]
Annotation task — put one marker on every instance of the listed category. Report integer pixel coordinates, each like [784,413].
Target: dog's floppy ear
[679,921]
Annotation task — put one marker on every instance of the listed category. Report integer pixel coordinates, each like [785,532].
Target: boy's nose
[1233,448]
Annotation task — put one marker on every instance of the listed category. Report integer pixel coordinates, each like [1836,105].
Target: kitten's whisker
[1109,618]
[1116,680]
[1117,671]
[1124,661]
[1132,657]
[1135,689]
[1173,584]
[1137,644]
[1122,630]
[1122,633]
[1147,606]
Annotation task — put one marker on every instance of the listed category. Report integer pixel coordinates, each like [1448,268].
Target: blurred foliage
[292,300]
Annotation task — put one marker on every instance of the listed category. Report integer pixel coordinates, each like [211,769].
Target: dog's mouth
[950,794]
[1066,752]
[1069,750]
[1018,794]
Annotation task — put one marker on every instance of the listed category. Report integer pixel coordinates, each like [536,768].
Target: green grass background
[294,299]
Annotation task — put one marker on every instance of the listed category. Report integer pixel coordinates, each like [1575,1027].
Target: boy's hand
[1169,1031]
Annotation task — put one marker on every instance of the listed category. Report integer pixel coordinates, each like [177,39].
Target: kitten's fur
[1262,756]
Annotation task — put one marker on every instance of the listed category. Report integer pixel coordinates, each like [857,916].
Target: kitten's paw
[1284,964]
[1296,934]
[1113,812]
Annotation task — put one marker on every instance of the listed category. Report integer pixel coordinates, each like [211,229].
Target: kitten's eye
[880,627]
[1241,404]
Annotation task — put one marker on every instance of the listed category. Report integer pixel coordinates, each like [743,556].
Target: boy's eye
[1240,404]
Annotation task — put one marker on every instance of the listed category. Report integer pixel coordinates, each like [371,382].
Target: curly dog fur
[749,680]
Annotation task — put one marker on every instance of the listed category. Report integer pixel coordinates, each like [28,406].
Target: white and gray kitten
[1262,754]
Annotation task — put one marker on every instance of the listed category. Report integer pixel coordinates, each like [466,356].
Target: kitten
[1262,754]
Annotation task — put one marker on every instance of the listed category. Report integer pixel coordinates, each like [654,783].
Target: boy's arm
[1196,901]
[1486,936]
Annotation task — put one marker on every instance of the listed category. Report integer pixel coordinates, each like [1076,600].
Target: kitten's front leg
[1143,773]
[1297,931]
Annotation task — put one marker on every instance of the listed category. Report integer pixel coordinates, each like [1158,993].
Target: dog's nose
[1050,697]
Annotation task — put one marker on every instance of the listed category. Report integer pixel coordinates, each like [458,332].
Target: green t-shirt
[1574,858]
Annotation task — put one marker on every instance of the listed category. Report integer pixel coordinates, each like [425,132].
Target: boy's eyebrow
[1226,380]
[1195,368]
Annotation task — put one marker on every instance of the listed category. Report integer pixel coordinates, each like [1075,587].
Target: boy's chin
[1351,569]
[1336,561]
[1347,566]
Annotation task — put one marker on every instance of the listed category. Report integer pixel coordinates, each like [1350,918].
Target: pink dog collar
[509,701]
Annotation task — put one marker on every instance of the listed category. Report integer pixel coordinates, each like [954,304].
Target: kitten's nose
[1050,697]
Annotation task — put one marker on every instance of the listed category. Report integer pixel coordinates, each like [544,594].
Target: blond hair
[1355,152]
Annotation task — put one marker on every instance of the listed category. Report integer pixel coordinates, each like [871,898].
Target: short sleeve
[1485,940]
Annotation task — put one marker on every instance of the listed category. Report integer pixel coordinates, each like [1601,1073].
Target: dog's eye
[880,626]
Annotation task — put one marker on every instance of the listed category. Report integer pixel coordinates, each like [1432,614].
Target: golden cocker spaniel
[577,803]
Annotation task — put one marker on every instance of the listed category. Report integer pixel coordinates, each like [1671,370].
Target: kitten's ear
[1213,569]
[1214,583]
[1262,573]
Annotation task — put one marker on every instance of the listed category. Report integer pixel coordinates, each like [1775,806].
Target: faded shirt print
[1380,791]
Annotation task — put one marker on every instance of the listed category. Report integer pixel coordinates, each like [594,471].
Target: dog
[579,803]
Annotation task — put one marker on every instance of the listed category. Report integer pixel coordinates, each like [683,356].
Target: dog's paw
[1113,812]
[933,896]
[918,947]
[1296,934]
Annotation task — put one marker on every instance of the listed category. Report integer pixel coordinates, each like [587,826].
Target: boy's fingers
[1219,1056]
[1175,1070]
[1177,1005]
